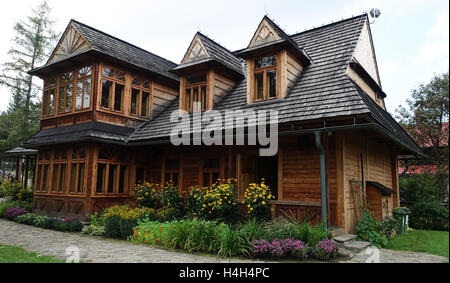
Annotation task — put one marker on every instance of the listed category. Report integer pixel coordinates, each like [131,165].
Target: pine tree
[31,46]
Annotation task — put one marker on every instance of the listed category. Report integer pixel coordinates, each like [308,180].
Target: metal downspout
[323,182]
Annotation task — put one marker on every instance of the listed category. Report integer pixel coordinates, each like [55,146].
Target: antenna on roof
[375,14]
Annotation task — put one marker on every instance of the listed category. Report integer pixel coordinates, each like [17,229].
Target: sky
[411,38]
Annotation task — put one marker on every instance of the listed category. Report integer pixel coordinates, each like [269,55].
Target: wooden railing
[300,211]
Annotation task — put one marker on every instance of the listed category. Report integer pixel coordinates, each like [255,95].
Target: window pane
[38,178]
[272,83]
[259,86]
[61,100]
[187,100]
[134,101]
[73,177]
[206,180]
[215,176]
[140,175]
[195,100]
[67,77]
[45,177]
[266,62]
[86,71]
[80,186]
[112,177]
[62,178]
[100,177]
[172,165]
[144,107]
[196,79]
[79,96]
[68,105]
[123,174]
[55,178]
[118,95]
[211,164]
[87,93]
[203,97]
[51,103]
[45,102]
[106,93]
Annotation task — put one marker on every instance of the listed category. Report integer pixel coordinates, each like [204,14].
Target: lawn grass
[12,254]
[432,242]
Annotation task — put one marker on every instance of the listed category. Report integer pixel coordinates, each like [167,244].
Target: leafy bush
[326,250]
[280,248]
[148,195]
[231,242]
[256,200]
[10,190]
[166,214]
[94,230]
[71,224]
[120,220]
[25,194]
[193,202]
[429,215]
[171,198]
[14,212]
[219,203]
[31,219]
[51,223]
[97,219]
[370,230]
[390,226]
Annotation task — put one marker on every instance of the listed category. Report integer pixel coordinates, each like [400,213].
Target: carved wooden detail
[264,33]
[71,43]
[196,50]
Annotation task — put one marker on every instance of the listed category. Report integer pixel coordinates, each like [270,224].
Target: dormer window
[265,78]
[195,99]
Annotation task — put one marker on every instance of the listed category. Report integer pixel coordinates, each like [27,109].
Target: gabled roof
[213,52]
[106,44]
[279,38]
[322,91]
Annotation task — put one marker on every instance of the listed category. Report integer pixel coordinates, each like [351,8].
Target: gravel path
[48,242]
[54,243]
[391,256]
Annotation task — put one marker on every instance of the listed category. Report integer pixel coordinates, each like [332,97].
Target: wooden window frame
[210,171]
[65,84]
[79,162]
[48,87]
[141,88]
[112,94]
[264,70]
[105,182]
[198,86]
[171,172]
[83,81]
[58,163]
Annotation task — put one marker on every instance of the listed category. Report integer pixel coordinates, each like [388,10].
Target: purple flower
[14,212]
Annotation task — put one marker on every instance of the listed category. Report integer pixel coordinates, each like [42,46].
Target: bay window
[48,99]
[140,97]
[84,86]
[65,93]
[113,88]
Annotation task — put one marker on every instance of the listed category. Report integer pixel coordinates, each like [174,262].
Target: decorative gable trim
[71,43]
[264,33]
[197,50]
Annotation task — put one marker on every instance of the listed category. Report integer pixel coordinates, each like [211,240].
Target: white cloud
[437,42]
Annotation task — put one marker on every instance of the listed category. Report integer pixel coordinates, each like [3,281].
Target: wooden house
[107,106]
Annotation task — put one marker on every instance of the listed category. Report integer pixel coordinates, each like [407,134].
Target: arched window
[84,86]
[65,93]
[113,89]
[140,97]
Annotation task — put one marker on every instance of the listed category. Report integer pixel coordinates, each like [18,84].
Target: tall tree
[31,46]
[426,120]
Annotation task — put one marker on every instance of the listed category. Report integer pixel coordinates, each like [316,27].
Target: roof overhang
[205,64]
[275,46]
[366,77]
[385,191]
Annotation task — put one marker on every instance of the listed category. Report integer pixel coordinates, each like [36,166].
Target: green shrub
[171,198]
[370,230]
[119,228]
[429,215]
[193,202]
[97,219]
[256,200]
[94,230]
[390,226]
[11,190]
[51,223]
[148,195]
[31,219]
[232,242]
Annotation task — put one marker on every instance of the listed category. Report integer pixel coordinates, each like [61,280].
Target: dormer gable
[196,51]
[274,62]
[265,33]
[207,72]
[71,43]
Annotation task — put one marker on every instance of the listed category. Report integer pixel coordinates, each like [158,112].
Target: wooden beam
[280,174]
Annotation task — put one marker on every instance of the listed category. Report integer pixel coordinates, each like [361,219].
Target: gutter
[323,179]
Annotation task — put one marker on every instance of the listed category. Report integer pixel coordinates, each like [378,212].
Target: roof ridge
[330,24]
[218,44]
[121,40]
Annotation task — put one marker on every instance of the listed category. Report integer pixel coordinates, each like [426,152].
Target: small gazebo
[24,159]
